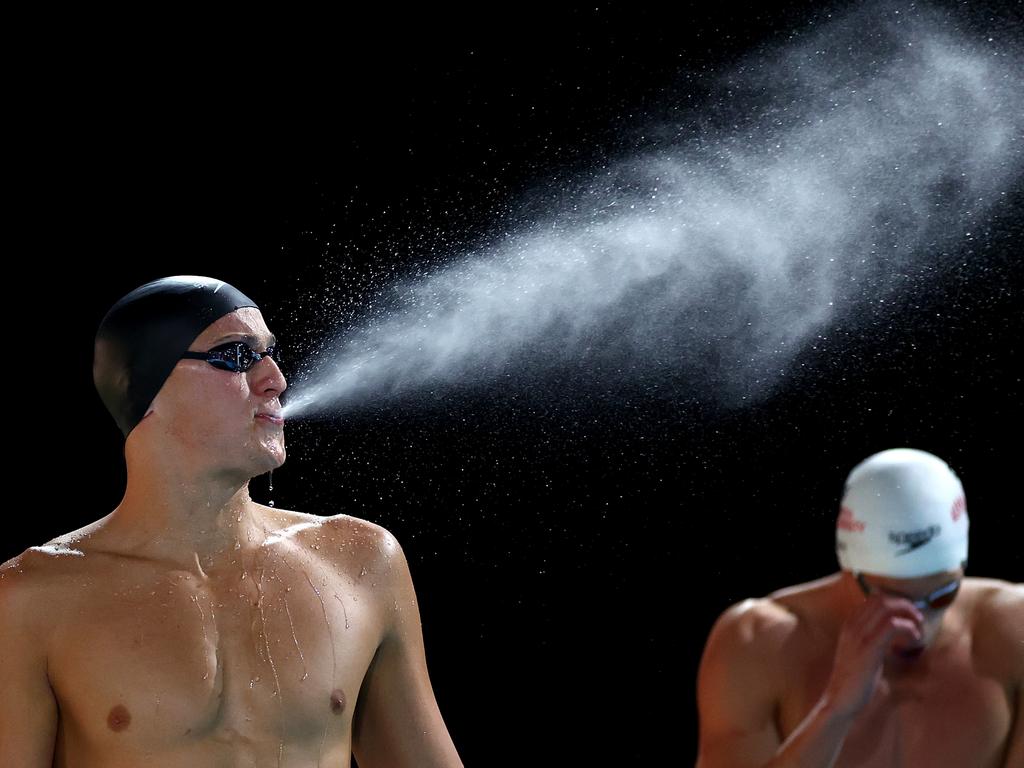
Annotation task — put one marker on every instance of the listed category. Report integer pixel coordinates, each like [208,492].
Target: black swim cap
[146,332]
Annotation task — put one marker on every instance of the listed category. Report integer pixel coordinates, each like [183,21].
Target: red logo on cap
[959,508]
[847,522]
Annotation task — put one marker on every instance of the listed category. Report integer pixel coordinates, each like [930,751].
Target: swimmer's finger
[902,605]
[884,616]
[891,629]
[878,607]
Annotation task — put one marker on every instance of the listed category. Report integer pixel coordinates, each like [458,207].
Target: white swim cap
[903,515]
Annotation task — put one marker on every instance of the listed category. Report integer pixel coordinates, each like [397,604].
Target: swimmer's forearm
[817,740]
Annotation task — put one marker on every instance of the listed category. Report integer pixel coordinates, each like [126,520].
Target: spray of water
[827,175]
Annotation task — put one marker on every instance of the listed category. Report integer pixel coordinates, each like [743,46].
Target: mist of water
[827,175]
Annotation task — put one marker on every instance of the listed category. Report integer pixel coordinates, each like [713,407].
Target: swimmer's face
[941,587]
[211,412]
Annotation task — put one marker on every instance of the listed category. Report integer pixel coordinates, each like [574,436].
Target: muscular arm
[397,723]
[28,708]
[738,687]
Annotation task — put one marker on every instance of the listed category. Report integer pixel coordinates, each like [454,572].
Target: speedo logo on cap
[913,539]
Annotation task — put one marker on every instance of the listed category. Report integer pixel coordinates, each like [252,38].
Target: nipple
[337,701]
[119,718]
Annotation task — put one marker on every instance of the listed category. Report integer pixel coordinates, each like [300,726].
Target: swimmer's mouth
[271,418]
[910,653]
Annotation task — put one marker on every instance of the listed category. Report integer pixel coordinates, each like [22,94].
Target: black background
[569,557]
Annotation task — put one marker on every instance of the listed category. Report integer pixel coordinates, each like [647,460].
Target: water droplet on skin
[295,640]
[344,609]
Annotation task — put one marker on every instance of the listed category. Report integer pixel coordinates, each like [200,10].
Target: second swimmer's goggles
[235,356]
[941,598]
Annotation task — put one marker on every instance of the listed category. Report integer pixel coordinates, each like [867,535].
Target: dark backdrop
[569,560]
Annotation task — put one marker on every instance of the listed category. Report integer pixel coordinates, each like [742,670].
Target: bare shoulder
[34,567]
[788,613]
[29,584]
[359,529]
[343,528]
[361,533]
[18,573]
[754,629]
[741,678]
[995,602]
[379,560]
[772,628]
[995,593]
[997,611]
[40,578]
[372,547]
[752,652]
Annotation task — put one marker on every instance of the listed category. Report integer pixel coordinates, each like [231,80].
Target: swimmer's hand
[864,639]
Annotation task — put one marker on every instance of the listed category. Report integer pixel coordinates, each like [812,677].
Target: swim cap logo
[959,507]
[913,539]
[847,522]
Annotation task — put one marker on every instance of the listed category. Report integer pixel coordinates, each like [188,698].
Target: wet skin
[259,658]
[956,702]
[194,628]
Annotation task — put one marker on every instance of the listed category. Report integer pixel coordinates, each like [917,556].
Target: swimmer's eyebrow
[245,337]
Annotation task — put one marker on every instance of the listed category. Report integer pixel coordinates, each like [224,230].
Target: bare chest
[270,654]
[942,713]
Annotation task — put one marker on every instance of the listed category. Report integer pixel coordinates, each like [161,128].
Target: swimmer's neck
[196,524]
[182,506]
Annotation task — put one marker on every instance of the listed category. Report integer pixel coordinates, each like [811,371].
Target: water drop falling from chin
[270,489]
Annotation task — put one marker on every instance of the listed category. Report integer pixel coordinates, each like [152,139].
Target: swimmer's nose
[270,380]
